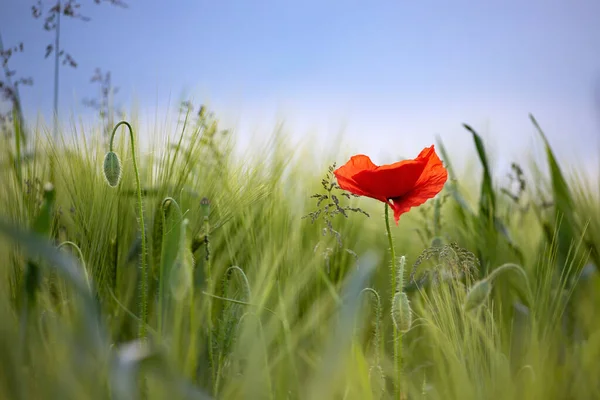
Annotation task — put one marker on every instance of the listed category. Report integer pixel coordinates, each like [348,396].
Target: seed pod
[478,294]
[401,312]
[112,168]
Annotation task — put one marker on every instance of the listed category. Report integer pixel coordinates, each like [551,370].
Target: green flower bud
[478,294]
[112,168]
[401,312]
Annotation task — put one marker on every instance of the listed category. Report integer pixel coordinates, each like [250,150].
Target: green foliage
[565,224]
[487,199]
[244,302]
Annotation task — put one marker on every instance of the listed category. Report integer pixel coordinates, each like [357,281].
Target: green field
[226,282]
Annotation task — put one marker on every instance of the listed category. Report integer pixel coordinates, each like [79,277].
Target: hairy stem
[210,288]
[397,338]
[377,334]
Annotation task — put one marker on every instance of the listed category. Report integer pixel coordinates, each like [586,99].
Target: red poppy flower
[402,185]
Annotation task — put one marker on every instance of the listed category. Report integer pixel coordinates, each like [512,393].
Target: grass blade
[563,204]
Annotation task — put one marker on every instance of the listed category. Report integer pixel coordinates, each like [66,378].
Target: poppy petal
[402,185]
[386,183]
[345,174]
[427,186]
[351,186]
[357,163]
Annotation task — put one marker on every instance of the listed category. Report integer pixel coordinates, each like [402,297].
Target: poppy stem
[397,335]
[143,289]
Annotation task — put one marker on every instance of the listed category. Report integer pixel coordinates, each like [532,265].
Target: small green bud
[478,294]
[112,168]
[401,312]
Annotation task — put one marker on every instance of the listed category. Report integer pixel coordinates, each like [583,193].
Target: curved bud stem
[482,289]
[143,267]
[80,254]
[517,268]
[245,283]
[507,267]
[170,249]
[378,342]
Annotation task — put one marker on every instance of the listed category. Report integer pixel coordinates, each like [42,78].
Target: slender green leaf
[487,201]
[563,204]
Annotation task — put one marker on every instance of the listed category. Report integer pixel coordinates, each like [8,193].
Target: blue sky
[392,74]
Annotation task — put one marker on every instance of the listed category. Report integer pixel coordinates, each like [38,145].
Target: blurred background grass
[278,326]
